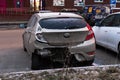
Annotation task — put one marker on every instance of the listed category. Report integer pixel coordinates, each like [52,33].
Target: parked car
[107,32]
[51,37]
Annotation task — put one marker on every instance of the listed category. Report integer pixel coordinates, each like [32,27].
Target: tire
[39,63]
[75,63]
[24,48]
[35,62]
[119,49]
[89,63]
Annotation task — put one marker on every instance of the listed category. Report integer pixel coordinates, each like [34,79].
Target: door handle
[106,31]
[118,32]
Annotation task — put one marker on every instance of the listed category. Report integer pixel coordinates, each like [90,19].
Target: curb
[12,22]
[13,25]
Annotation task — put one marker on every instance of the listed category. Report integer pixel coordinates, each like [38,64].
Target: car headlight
[40,38]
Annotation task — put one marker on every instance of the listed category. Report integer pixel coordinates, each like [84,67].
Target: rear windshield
[62,23]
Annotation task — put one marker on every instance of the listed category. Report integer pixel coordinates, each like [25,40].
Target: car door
[28,32]
[99,34]
[113,33]
[101,31]
[106,24]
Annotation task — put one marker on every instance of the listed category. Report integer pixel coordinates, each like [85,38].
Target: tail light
[40,38]
[90,33]
[91,53]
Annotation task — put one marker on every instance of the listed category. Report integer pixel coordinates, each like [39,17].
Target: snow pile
[108,72]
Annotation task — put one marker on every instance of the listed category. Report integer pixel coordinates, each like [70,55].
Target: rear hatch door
[65,37]
[64,30]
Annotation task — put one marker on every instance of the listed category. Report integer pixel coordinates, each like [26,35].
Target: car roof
[113,13]
[116,13]
[57,14]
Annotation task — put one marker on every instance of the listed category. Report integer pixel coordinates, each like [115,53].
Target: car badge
[66,35]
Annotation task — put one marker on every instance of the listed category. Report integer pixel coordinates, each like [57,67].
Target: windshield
[62,23]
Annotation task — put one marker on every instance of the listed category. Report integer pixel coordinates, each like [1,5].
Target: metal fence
[15,13]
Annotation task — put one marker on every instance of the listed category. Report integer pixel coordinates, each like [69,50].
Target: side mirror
[23,25]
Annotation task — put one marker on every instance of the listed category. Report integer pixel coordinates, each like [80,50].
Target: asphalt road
[106,57]
[12,56]
[14,59]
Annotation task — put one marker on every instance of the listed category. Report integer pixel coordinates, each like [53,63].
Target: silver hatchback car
[58,37]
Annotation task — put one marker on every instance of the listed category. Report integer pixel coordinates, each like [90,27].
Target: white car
[51,37]
[107,32]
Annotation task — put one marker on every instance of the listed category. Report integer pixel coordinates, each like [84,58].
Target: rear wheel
[35,64]
[89,63]
[24,48]
[76,63]
[39,62]
[119,49]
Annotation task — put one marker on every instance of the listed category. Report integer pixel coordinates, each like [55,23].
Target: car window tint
[116,21]
[30,20]
[33,22]
[108,21]
[62,23]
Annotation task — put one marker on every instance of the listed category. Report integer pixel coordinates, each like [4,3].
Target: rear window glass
[62,23]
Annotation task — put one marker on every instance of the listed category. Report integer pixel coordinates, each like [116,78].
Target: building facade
[103,2]
[57,5]
[26,7]
[14,3]
[54,5]
[14,10]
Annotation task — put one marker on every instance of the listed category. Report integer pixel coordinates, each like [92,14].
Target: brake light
[40,38]
[90,33]
[91,53]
